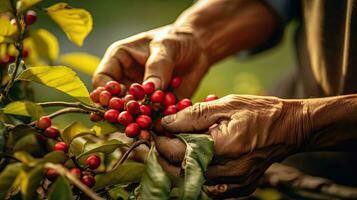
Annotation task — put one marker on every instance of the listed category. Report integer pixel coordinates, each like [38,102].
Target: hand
[249,133]
[155,56]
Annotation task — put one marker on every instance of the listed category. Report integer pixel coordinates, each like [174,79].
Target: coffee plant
[40,161]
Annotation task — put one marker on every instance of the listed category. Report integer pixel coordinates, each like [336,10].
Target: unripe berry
[169,110]
[104,98]
[143,121]
[61,146]
[111,115]
[116,103]
[43,123]
[132,130]
[133,107]
[95,117]
[210,97]
[52,132]
[88,180]
[93,161]
[144,135]
[76,172]
[157,96]
[149,87]
[169,99]
[30,17]
[25,52]
[176,82]
[51,174]
[145,110]
[183,103]
[137,91]
[158,126]
[113,87]
[125,118]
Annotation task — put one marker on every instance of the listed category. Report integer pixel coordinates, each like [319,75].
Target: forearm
[224,27]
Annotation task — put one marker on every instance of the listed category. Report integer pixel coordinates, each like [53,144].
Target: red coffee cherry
[104,98]
[52,132]
[149,87]
[132,130]
[43,123]
[137,91]
[183,103]
[145,110]
[51,174]
[158,126]
[128,97]
[210,97]
[76,172]
[88,180]
[157,96]
[125,118]
[94,95]
[7,59]
[143,121]
[95,117]
[113,87]
[176,82]
[116,103]
[111,115]
[30,17]
[133,107]
[25,52]
[144,135]
[169,99]
[169,110]
[93,161]
[61,146]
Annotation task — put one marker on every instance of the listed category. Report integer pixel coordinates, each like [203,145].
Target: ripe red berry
[61,146]
[145,110]
[52,132]
[176,82]
[169,110]
[30,17]
[133,107]
[158,126]
[95,117]
[210,97]
[51,174]
[113,87]
[132,130]
[88,180]
[76,172]
[93,161]
[183,103]
[149,87]
[7,59]
[104,98]
[43,123]
[116,103]
[125,118]
[169,99]
[111,115]
[144,135]
[143,121]
[94,95]
[25,52]
[127,98]
[157,96]
[137,91]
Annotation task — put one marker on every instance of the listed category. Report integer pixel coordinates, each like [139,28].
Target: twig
[61,112]
[71,104]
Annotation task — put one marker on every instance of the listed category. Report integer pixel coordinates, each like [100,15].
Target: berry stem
[63,111]
[71,104]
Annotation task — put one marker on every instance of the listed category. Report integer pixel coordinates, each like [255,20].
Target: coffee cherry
[25,52]
[116,103]
[95,117]
[143,121]
[93,161]
[51,174]
[43,123]
[137,91]
[125,118]
[133,107]
[7,59]
[169,99]
[149,87]
[76,172]
[111,115]
[88,180]
[52,132]
[157,96]
[94,95]
[169,110]
[132,130]
[158,126]
[61,146]
[210,97]
[104,98]
[145,110]
[176,82]
[30,17]
[144,135]
[113,87]
[183,103]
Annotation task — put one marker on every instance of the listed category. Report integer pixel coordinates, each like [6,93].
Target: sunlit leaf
[5,6]
[26,4]
[102,128]
[74,130]
[7,30]
[61,78]
[7,178]
[53,157]
[24,108]
[46,44]
[75,22]
[60,190]
[103,147]
[82,61]
[31,182]
[24,157]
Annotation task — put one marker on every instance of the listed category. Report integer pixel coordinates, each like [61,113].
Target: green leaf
[61,78]
[53,157]
[28,143]
[102,128]
[3,131]
[103,147]
[7,30]
[7,178]
[23,5]
[60,190]
[82,61]
[75,22]
[155,183]
[24,108]
[46,44]
[5,6]
[19,132]
[128,172]
[31,182]
[74,130]
[199,153]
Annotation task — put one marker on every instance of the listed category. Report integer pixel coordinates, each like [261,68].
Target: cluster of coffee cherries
[92,162]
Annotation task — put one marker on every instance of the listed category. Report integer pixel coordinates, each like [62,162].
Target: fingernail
[156,80]
[168,119]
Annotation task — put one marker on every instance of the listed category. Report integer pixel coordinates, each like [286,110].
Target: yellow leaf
[46,44]
[26,4]
[75,22]
[33,57]
[82,61]
[24,108]
[7,30]
[74,130]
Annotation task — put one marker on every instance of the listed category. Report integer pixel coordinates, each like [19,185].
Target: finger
[172,149]
[170,169]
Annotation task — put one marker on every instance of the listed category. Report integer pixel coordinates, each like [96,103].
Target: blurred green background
[118,19]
